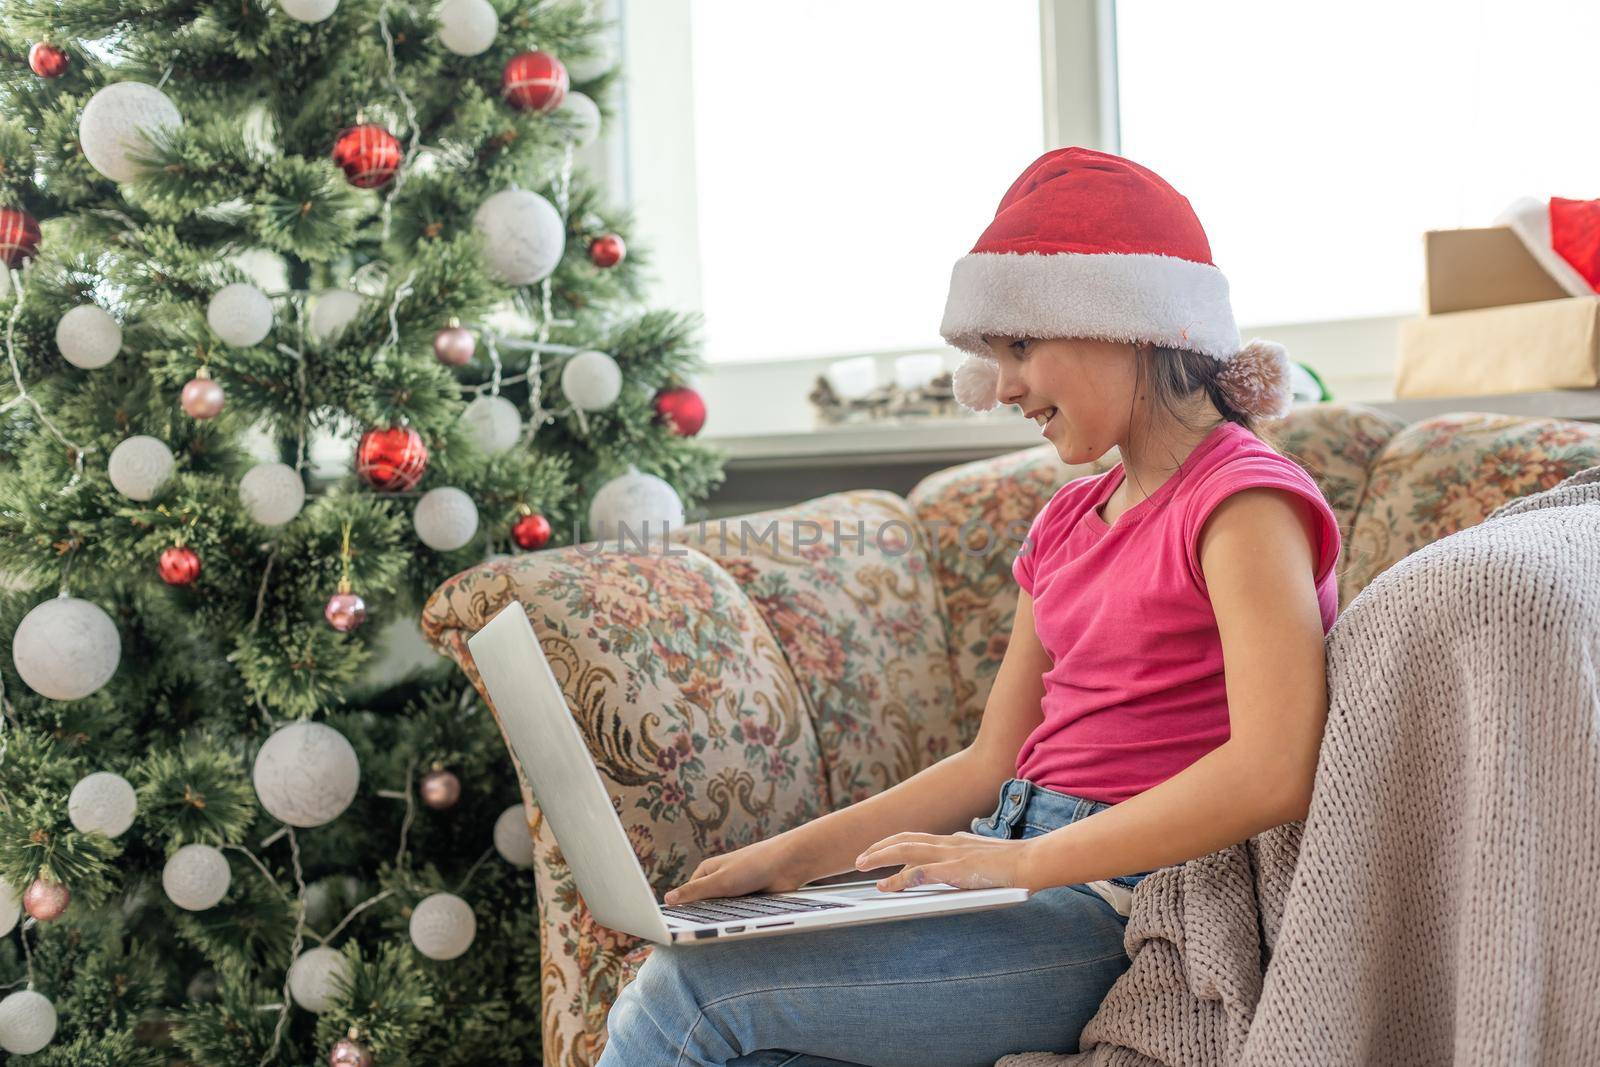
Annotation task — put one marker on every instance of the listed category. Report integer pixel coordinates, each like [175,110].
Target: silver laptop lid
[571,795]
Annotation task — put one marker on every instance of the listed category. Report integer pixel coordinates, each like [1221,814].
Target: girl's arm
[1256,553]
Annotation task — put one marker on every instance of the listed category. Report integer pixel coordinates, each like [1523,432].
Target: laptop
[548,743]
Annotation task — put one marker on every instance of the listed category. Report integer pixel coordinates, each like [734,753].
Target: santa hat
[1088,244]
[1563,235]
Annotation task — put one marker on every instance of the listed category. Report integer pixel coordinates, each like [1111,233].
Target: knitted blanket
[1439,904]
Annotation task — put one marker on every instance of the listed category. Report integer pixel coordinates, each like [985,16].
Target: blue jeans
[959,990]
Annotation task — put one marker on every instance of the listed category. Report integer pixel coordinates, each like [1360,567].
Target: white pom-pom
[10,907]
[306,774]
[117,124]
[591,380]
[639,506]
[523,236]
[240,314]
[27,1022]
[443,926]
[66,648]
[975,382]
[331,311]
[315,976]
[272,493]
[445,519]
[511,837]
[467,27]
[140,466]
[1256,379]
[582,117]
[196,877]
[493,423]
[88,337]
[308,10]
[102,802]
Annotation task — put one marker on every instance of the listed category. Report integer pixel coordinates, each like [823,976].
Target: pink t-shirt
[1135,692]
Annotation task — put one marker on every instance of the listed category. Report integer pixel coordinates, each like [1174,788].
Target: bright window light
[847,154]
[1317,142]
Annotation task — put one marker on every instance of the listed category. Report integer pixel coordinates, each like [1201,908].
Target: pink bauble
[345,611]
[454,345]
[348,1053]
[46,901]
[440,789]
[202,398]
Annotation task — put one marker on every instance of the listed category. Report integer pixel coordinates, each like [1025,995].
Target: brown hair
[1176,377]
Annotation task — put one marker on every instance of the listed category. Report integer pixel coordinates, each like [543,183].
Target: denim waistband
[1021,799]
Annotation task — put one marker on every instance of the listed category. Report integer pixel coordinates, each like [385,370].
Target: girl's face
[1085,387]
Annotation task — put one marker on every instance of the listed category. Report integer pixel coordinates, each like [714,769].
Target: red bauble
[391,460]
[348,1053]
[19,236]
[47,60]
[368,154]
[607,251]
[46,901]
[681,408]
[440,789]
[531,532]
[179,565]
[534,81]
[345,611]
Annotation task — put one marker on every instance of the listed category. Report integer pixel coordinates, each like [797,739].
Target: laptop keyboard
[728,909]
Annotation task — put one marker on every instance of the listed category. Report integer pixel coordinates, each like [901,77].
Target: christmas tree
[305,308]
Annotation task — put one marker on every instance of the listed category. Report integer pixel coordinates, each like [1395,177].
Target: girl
[1162,696]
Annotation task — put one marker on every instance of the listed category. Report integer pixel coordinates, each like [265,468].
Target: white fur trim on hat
[1164,300]
[1256,380]
[1529,219]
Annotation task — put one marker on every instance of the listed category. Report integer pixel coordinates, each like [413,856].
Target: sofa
[768,670]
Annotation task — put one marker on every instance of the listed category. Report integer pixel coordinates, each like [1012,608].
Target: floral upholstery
[754,678]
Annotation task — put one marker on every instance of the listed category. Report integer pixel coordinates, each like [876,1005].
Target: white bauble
[240,314]
[308,10]
[445,519]
[640,504]
[511,837]
[10,907]
[117,123]
[139,466]
[306,774]
[331,311]
[467,27]
[493,423]
[66,648]
[523,235]
[103,802]
[196,877]
[588,68]
[582,116]
[443,926]
[27,1022]
[314,978]
[591,380]
[88,337]
[272,493]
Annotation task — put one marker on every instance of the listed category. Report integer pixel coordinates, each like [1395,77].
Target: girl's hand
[769,866]
[964,860]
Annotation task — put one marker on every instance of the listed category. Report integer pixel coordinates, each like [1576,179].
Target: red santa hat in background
[1563,235]
[1088,244]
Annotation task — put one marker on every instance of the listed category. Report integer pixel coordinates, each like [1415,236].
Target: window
[846,155]
[1317,143]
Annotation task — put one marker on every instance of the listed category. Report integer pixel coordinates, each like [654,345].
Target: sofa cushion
[697,724]
[844,583]
[1447,473]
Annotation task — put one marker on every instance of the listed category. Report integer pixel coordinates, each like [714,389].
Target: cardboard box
[1483,268]
[1518,348]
